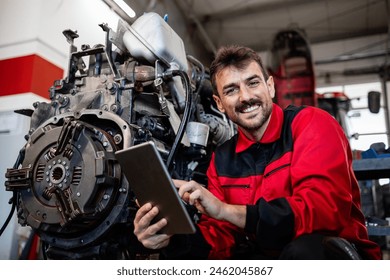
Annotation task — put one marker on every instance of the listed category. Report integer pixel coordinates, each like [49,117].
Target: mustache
[245,104]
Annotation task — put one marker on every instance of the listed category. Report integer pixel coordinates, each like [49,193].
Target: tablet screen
[150,182]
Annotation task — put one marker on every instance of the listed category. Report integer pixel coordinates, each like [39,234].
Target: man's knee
[305,247]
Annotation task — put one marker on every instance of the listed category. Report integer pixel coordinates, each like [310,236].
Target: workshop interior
[83,79]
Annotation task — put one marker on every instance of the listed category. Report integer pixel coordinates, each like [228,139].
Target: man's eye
[231,91]
[253,83]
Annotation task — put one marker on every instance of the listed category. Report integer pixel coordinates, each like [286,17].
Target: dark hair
[237,56]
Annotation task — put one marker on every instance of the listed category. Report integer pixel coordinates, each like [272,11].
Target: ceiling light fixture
[125,7]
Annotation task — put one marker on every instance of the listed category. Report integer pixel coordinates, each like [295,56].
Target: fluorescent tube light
[126,8]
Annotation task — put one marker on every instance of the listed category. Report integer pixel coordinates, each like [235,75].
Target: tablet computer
[148,177]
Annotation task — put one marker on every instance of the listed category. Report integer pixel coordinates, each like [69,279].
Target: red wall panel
[30,73]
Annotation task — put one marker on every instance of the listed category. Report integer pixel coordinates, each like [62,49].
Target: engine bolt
[117,138]
[114,108]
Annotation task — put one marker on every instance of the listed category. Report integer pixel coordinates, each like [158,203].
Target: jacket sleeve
[325,193]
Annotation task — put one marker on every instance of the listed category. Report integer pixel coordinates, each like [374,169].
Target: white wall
[10,144]
[35,27]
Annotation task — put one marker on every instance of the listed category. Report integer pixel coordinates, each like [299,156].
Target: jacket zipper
[276,169]
[236,186]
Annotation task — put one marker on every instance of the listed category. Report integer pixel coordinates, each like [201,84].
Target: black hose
[11,213]
[202,72]
[184,120]
[14,194]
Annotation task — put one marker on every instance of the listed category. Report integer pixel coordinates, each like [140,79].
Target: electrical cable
[14,195]
[11,213]
[184,120]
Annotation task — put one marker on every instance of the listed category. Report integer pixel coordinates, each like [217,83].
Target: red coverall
[298,179]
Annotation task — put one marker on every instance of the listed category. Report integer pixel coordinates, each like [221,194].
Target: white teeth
[250,109]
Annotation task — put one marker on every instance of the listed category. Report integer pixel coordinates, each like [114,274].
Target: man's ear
[219,103]
[271,86]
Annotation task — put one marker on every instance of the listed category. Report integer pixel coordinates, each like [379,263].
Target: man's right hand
[146,233]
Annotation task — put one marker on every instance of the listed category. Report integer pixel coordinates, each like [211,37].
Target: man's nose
[245,94]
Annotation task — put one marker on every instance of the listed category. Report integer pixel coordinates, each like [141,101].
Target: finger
[178,183]
[199,207]
[187,187]
[149,236]
[148,217]
[195,196]
[143,222]
[186,197]
[157,227]
[142,211]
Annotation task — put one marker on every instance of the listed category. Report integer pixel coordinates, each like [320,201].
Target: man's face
[245,96]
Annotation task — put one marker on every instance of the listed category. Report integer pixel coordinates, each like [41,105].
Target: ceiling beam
[264,46]
[189,16]
[349,35]
[355,56]
[119,11]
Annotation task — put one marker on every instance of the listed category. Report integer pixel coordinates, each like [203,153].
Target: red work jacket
[297,179]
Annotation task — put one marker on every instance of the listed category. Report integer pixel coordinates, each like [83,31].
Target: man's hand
[206,203]
[197,195]
[146,233]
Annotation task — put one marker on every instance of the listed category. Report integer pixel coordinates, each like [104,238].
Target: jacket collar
[271,134]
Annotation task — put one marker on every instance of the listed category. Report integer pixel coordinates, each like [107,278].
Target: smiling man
[281,188]
[246,98]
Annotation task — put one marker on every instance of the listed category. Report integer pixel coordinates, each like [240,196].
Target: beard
[255,122]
